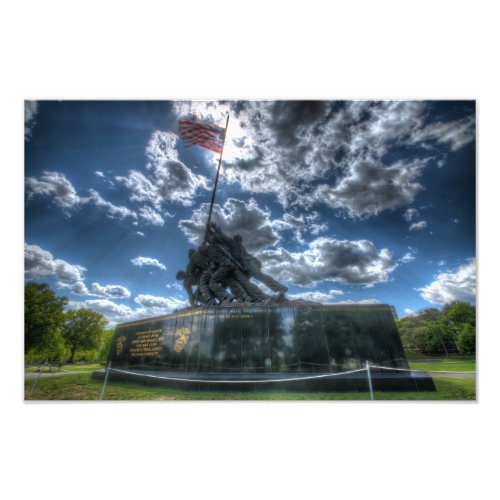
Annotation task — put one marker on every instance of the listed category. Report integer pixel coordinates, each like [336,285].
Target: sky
[342,201]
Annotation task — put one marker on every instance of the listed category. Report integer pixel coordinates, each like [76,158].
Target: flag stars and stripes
[200,134]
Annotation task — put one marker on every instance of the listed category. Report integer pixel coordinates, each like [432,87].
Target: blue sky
[347,201]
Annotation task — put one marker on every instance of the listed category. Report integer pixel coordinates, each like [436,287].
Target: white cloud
[407,257]
[103,176]
[317,296]
[149,306]
[154,302]
[96,290]
[459,284]
[455,134]
[114,313]
[410,214]
[362,301]
[30,113]
[417,226]
[168,179]
[409,312]
[109,291]
[300,224]
[139,233]
[65,196]
[78,288]
[151,216]
[112,211]
[161,148]
[326,259]
[142,188]
[148,261]
[57,185]
[39,262]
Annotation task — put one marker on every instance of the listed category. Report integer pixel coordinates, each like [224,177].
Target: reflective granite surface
[271,339]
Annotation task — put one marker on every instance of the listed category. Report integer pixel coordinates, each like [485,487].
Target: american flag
[201,134]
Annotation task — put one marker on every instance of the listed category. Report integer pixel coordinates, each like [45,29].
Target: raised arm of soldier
[217,236]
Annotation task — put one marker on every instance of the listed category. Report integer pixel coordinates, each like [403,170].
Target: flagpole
[217,177]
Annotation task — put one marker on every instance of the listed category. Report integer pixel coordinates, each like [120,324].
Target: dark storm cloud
[372,187]
[288,147]
[291,118]
[327,259]
[235,216]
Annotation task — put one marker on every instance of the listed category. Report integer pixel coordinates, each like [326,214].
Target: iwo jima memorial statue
[234,336]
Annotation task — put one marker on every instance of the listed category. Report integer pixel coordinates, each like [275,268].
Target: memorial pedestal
[265,348]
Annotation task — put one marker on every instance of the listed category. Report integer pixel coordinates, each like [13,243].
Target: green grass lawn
[81,387]
[416,355]
[451,364]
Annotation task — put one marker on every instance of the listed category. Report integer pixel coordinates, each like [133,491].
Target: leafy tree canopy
[83,329]
[459,312]
[435,331]
[43,315]
[466,341]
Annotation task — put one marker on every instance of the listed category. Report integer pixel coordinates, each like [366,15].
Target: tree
[412,329]
[457,313]
[43,317]
[53,351]
[466,341]
[83,329]
[439,338]
[105,344]
[427,331]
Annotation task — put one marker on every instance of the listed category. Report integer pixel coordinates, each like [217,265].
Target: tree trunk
[72,357]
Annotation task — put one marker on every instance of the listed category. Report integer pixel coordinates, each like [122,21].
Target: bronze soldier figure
[222,262]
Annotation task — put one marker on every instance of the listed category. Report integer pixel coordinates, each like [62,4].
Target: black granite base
[195,349]
[283,382]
